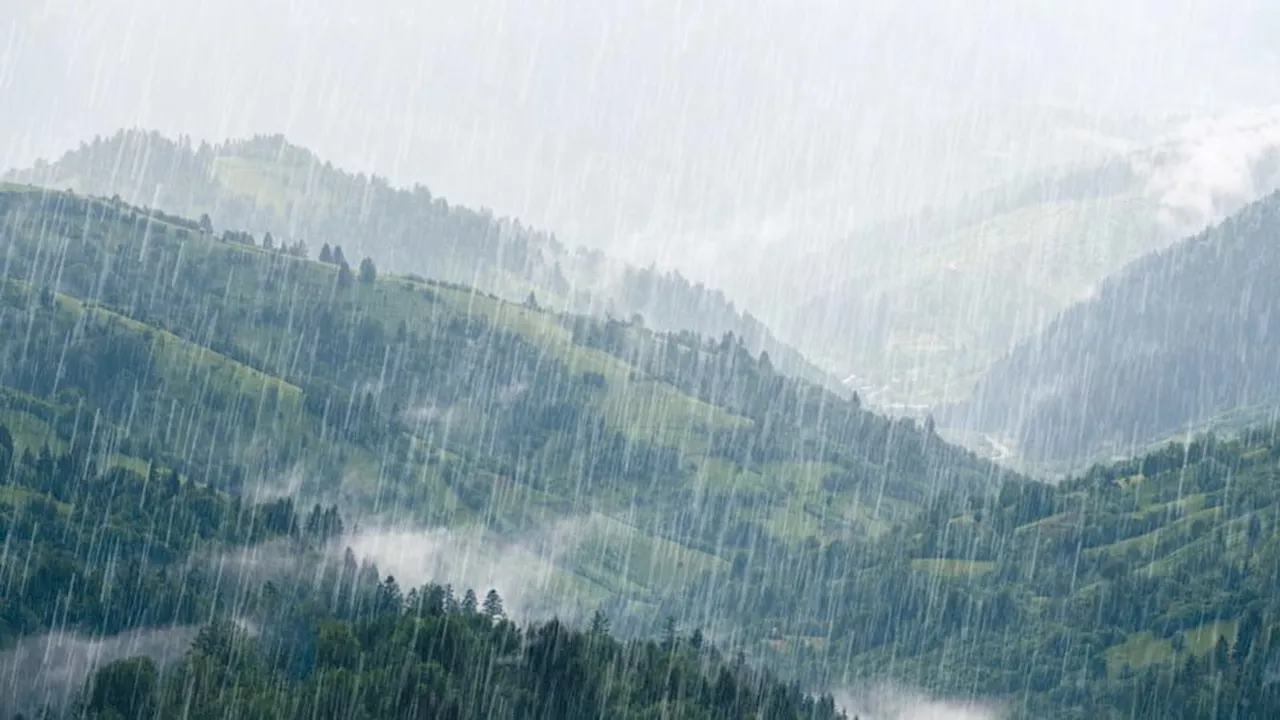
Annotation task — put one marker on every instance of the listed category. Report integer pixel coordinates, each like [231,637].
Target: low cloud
[50,670]
[888,701]
[525,572]
[1208,169]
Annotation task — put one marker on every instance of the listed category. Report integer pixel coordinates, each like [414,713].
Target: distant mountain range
[1183,337]
[916,310]
[267,185]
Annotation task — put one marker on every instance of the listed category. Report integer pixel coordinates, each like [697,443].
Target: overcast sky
[614,122]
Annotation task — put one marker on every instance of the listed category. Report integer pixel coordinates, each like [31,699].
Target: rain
[654,358]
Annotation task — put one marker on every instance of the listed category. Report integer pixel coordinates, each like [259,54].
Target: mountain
[421,404]
[173,400]
[915,310]
[1179,338]
[266,185]
[1138,589]
[165,598]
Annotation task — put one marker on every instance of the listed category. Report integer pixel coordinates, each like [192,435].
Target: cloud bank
[1210,168]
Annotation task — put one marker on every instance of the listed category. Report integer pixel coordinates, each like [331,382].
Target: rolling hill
[265,185]
[415,404]
[1143,588]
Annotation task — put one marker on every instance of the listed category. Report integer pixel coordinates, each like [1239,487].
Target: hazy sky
[614,122]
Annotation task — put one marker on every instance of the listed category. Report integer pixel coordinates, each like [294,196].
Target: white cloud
[888,701]
[1209,168]
[524,572]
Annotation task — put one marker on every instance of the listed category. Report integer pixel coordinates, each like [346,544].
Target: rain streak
[792,359]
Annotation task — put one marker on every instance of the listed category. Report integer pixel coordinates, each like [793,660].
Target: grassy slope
[622,552]
[273,183]
[1194,538]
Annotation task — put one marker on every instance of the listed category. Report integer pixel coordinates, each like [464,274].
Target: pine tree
[389,599]
[669,633]
[326,254]
[599,623]
[1247,632]
[469,602]
[1221,654]
[313,525]
[368,273]
[153,475]
[493,604]
[6,445]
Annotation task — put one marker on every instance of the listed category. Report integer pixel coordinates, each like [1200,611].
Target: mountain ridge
[919,307]
[422,403]
[266,184]
[1189,328]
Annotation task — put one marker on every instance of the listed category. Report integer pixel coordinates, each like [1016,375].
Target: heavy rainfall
[639,359]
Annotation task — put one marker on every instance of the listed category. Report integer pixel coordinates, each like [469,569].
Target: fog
[893,702]
[667,130]
[533,572]
[49,670]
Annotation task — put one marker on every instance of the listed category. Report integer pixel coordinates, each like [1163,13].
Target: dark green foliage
[124,689]
[308,365]
[7,456]
[793,419]
[1033,593]
[103,546]
[493,605]
[425,661]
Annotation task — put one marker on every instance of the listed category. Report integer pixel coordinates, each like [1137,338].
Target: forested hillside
[418,404]
[97,550]
[1140,589]
[1181,337]
[172,399]
[267,186]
